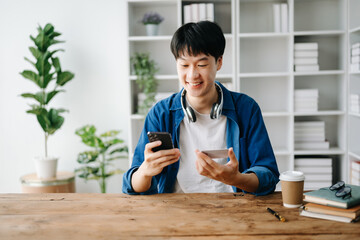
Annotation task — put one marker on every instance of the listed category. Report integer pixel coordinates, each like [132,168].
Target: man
[204,115]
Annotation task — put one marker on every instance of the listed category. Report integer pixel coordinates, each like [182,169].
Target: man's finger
[151,145]
[232,155]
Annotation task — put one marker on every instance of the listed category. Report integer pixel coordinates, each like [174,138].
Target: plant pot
[46,167]
[152,29]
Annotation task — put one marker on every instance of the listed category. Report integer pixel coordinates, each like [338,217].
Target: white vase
[46,167]
[152,29]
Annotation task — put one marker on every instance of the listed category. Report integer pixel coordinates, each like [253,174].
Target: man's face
[197,73]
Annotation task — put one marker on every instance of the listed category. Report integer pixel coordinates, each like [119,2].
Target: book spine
[284,17]
[202,12]
[306,92]
[306,68]
[306,46]
[355,51]
[301,53]
[305,61]
[187,14]
[276,17]
[210,15]
[194,12]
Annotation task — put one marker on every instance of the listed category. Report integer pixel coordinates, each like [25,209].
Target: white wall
[95,50]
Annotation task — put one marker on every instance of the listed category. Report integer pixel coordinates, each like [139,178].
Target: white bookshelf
[259,62]
[353,85]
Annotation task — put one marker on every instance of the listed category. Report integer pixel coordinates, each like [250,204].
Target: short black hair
[202,37]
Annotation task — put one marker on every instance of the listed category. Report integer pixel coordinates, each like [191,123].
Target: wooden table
[176,216]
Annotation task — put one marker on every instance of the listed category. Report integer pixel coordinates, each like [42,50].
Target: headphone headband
[216,109]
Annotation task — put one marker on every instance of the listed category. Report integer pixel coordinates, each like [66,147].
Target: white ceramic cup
[292,188]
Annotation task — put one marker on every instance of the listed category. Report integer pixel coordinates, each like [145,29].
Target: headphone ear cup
[213,111]
[191,114]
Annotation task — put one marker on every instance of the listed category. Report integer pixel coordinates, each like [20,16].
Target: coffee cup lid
[292,176]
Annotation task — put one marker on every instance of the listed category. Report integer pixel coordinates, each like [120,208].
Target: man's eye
[203,65]
[184,65]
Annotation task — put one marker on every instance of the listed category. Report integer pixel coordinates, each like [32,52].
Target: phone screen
[165,139]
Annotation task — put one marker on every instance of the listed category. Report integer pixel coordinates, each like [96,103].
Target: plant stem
[103,176]
[46,138]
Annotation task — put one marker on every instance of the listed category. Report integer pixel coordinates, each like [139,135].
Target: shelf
[158,77]
[137,117]
[263,35]
[264,74]
[315,33]
[149,38]
[354,114]
[331,151]
[327,72]
[276,114]
[320,113]
[353,30]
[354,154]
[282,152]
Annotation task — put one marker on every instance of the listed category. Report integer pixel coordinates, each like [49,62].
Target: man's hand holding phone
[159,153]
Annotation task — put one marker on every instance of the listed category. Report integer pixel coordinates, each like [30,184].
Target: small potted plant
[106,148]
[145,68]
[47,74]
[152,20]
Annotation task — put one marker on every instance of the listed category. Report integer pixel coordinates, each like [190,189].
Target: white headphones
[216,108]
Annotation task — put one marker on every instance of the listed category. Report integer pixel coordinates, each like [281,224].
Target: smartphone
[164,137]
[222,153]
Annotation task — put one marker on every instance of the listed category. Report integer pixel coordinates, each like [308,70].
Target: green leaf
[37,110]
[32,63]
[43,121]
[56,63]
[50,95]
[64,77]
[38,96]
[110,133]
[43,65]
[56,121]
[48,29]
[32,76]
[120,150]
[35,52]
[87,157]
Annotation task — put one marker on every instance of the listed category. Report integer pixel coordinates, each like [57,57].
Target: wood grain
[162,216]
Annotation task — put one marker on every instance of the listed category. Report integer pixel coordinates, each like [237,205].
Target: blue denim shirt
[246,134]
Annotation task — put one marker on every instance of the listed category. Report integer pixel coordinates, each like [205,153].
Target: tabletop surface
[161,216]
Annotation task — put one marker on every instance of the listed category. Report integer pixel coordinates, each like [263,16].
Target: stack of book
[306,57]
[323,204]
[310,135]
[355,103]
[281,17]
[198,12]
[355,173]
[355,58]
[306,100]
[317,171]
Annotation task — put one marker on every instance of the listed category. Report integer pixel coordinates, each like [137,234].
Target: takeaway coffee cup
[292,186]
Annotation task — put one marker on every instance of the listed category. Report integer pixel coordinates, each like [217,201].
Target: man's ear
[219,63]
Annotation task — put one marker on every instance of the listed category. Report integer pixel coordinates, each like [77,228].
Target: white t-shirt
[204,134]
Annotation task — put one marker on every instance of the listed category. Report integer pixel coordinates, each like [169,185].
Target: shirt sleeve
[261,155]
[138,158]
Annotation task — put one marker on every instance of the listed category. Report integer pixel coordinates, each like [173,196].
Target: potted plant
[145,68]
[106,148]
[50,79]
[152,20]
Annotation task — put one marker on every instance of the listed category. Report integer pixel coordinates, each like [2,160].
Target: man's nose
[193,73]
